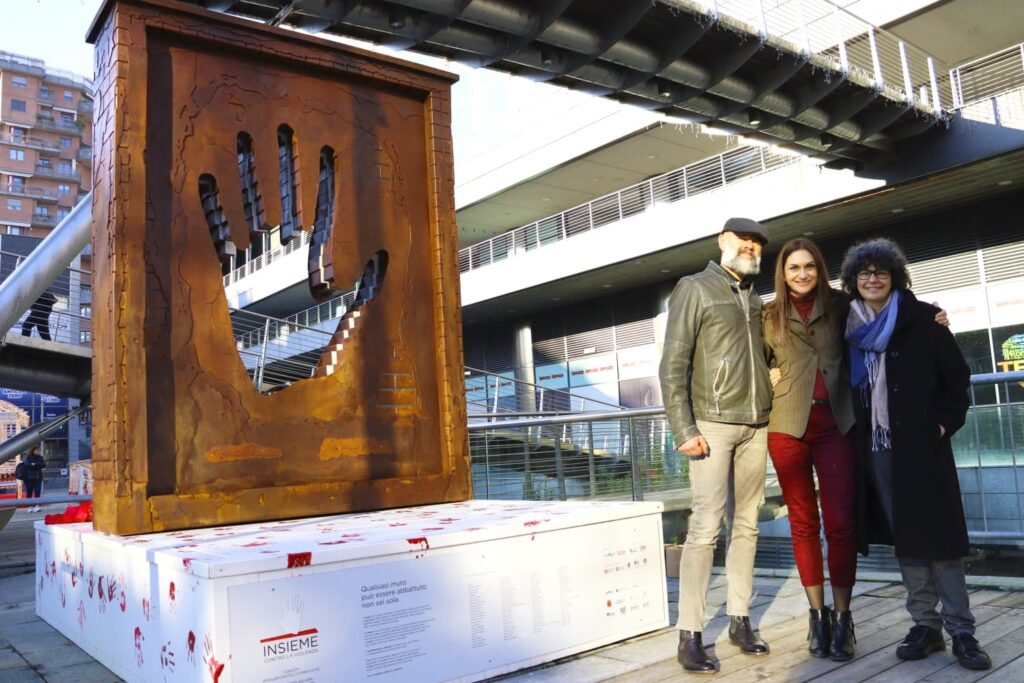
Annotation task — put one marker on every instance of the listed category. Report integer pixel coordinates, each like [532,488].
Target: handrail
[979,379]
[568,419]
[471,371]
[46,262]
[988,76]
[249,267]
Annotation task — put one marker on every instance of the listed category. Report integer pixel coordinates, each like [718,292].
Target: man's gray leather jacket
[713,366]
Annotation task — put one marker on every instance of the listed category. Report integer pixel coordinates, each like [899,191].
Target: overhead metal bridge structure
[804,75]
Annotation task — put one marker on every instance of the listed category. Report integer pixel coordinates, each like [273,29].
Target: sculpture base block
[460,591]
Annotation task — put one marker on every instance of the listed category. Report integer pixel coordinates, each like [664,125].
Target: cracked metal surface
[182,438]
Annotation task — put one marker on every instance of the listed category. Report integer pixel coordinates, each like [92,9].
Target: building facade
[45,144]
[45,169]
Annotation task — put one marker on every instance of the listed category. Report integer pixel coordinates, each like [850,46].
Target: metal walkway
[805,75]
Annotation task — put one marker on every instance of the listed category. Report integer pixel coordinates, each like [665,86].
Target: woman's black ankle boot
[843,636]
[819,635]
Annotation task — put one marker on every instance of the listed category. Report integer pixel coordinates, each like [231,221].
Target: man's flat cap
[746,226]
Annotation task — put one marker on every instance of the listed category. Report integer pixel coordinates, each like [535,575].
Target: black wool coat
[928,382]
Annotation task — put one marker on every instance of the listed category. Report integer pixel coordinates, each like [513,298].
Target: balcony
[43,220]
[49,123]
[45,96]
[29,192]
[84,154]
[33,143]
[85,106]
[51,172]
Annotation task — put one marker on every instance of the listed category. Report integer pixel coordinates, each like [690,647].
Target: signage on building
[638,362]
[593,370]
[553,376]
[1006,303]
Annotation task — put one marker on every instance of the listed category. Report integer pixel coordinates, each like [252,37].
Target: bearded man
[714,380]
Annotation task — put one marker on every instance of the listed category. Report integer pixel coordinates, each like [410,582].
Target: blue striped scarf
[868,337]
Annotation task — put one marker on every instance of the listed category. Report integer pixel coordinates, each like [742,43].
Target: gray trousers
[927,581]
[727,485]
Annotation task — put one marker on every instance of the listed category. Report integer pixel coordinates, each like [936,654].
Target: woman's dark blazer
[928,382]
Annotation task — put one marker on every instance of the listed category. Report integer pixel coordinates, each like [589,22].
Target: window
[85,336]
[16,184]
[86,311]
[65,117]
[17,135]
[43,163]
[14,205]
[42,211]
[17,155]
[45,94]
[62,214]
[69,96]
[63,189]
[13,230]
[19,105]
[65,143]
[64,166]
[19,81]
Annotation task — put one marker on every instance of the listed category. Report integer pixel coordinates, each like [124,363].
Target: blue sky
[65,21]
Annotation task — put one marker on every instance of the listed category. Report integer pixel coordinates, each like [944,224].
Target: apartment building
[45,169]
[45,144]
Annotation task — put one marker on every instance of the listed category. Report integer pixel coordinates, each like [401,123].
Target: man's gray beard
[743,265]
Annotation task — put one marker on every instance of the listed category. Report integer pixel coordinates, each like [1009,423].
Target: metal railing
[492,396]
[34,143]
[279,351]
[989,452]
[30,192]
[626,455]
[50,123]
[69,321]
[51,172]
[630,455]
[265,259]
[988,76]
[693,179]
[845,43]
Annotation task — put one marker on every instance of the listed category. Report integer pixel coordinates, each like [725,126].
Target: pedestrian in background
[39,316]
[33,475]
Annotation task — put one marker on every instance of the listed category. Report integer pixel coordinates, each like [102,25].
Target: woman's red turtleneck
[804,306]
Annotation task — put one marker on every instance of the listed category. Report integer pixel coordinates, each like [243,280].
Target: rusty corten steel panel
[196,114]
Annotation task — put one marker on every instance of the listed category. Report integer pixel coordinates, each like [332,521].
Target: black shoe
[921,642]
[692,655]
[969,653]
[743,636]
[819,632]
[843,636]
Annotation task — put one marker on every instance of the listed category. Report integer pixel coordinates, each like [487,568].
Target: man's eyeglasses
[865,275]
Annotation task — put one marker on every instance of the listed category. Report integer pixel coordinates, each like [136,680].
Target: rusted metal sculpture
[210,129]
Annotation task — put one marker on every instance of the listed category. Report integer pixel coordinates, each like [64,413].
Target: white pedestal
[460,591]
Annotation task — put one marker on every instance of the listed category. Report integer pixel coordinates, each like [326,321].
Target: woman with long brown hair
[811,414]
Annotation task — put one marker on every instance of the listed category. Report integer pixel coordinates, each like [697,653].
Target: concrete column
[526,401]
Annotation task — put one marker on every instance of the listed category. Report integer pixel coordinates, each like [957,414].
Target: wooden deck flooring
[780,610]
